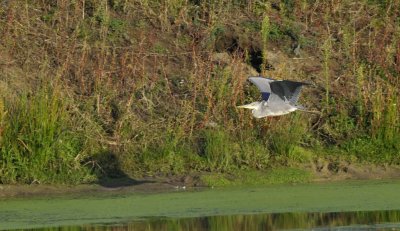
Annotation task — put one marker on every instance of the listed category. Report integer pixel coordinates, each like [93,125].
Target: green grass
[251,177]
[370,150]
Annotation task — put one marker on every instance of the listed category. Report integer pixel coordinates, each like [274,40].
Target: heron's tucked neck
[259,109]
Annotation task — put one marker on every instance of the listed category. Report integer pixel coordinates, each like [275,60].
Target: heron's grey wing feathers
[263,84]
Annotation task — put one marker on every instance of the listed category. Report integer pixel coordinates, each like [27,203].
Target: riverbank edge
[292,175]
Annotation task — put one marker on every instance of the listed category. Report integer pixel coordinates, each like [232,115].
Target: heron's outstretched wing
[263,84]
[287,90]
[295,96]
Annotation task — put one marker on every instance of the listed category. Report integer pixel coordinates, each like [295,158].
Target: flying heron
[279,97]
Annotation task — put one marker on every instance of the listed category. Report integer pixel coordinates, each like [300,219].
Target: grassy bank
[92,89]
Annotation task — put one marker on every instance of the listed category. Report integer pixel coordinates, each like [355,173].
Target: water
[372,220]
[359,205]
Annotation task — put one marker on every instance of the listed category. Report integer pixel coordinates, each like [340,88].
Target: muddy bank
[321,171]
[334,171]
[119,185]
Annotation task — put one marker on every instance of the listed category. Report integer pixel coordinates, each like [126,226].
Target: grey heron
[279,97]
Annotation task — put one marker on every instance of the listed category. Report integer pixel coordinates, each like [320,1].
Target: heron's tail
[301,108]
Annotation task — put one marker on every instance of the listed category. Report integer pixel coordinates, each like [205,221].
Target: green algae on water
[127,207]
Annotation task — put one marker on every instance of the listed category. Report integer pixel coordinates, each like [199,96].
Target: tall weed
[219,150]
[286,135]
[39,141]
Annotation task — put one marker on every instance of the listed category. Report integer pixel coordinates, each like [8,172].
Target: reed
[265,31]
[361,96]
[327,53]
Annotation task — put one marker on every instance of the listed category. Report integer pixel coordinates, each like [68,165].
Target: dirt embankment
[323,171]
[328,171]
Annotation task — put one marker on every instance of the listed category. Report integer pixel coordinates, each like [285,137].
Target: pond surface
[371,220]
[356,205]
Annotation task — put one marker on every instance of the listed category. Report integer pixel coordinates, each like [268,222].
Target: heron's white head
[253,105]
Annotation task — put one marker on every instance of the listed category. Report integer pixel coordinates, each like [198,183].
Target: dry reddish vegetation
[92,88]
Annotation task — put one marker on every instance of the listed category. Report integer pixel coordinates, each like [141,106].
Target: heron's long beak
[248,106]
